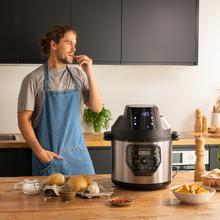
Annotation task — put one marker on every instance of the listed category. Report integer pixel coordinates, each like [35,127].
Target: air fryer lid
[140,123]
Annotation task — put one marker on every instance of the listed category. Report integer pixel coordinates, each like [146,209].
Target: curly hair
[54,33]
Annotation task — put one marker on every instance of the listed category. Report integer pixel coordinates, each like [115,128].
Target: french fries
[191,189]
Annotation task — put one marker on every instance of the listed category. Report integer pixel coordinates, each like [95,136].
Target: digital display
[143,153]
[146,114]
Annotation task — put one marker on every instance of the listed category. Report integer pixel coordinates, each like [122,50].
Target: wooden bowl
[67,196]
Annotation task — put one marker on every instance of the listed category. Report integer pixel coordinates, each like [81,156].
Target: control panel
[145,118]
[143,160]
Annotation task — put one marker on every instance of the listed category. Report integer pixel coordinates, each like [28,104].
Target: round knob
[144,160]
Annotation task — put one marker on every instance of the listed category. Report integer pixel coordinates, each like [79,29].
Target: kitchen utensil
[141,148]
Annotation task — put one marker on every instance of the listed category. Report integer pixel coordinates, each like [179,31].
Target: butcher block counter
[96,140]
[158,204]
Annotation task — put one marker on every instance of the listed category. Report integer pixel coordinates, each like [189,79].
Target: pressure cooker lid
[139,123]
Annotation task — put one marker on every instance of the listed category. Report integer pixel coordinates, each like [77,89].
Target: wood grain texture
[96,140]
[159,204]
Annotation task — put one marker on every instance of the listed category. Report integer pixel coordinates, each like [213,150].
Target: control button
[143,160]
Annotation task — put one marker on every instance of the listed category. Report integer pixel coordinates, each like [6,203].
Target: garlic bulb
[93,188]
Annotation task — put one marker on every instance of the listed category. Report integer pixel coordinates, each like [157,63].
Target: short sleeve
[27,95]
[84,86]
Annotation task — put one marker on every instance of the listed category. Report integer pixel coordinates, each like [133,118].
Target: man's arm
[30,137]
[95,99]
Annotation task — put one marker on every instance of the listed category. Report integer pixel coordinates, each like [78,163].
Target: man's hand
[45,156]
[85,62]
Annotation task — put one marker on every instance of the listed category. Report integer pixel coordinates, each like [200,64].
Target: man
[50,103]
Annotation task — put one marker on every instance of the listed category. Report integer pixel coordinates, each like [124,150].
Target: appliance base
[141,187]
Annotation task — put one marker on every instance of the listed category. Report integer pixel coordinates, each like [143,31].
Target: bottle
[217,105]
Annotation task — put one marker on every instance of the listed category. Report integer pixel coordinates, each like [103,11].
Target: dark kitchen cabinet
[160,31]
[15,162]
[18,161]
[8,36]
[98,24]
[109,31]
[35,17]
[214,156]
[102,159]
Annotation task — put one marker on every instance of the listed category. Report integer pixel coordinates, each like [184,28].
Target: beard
[65,59]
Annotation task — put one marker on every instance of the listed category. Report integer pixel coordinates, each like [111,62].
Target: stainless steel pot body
[122,173]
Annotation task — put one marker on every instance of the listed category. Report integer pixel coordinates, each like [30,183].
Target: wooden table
[159,204]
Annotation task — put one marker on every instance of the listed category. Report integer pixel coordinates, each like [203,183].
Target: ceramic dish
[194,198]
[120,201]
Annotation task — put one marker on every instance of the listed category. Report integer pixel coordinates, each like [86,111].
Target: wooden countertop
[96,140]
[159,204]
[91,140]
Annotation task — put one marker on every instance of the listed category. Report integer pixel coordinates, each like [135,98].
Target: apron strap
[46,77]
[74,81]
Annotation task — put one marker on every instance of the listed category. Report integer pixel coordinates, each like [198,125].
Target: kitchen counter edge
[96,140]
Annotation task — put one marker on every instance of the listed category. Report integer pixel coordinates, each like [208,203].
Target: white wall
[176,90]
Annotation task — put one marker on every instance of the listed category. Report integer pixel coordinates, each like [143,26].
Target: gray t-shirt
[31,96]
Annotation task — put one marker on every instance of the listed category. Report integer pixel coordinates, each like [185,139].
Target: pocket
[76,160]
[44,168]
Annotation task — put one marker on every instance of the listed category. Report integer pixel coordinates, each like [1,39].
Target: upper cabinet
[109,31]
[8,36]
[98,25]
[160,31]
[34,19]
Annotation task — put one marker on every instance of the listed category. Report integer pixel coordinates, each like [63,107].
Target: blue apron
[59,130]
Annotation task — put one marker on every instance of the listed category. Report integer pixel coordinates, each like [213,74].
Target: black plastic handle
[175,135]
[108,136]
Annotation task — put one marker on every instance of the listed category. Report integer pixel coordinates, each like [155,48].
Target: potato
[88,179]
[78,183]
[56,178]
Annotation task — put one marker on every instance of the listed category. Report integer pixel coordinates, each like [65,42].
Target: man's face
[66,48]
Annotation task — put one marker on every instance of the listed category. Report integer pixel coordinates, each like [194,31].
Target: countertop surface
[158,204]
[97,140]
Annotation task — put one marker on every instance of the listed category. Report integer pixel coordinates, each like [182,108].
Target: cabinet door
[8,36]
[214,156]
[98,24]
[35,17]
[159,31]
[102,159]
[15,162]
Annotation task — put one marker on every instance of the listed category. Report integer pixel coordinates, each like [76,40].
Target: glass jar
[31,186]
[217,105]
